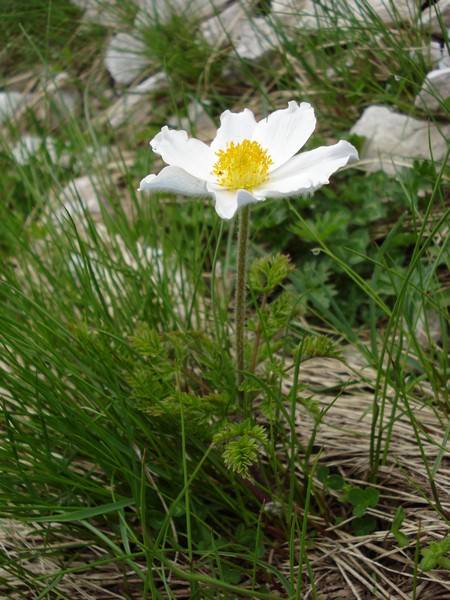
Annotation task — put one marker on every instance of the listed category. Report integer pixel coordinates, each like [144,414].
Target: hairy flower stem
[241,279]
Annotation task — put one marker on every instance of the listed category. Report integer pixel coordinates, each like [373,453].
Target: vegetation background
[128,468]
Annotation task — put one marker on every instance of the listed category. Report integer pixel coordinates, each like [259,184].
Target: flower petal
[175,181]
[226,203]
[245,197]
[307,171]
[285,131]
[234,127]
[229,201]
[190,154]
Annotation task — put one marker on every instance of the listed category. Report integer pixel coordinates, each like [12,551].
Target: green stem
[244,220]
[257,336]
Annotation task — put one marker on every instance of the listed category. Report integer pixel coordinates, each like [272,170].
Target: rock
[256,38]
[65,102]
[389,11]
[30,145]
[444,63]
[53,105]
[160,11]
[126,108]
[102,12]
[197,120]
[435,89]
[234,25]
[394,141]
[218,30]
[79,196]
[434,15]
[311,15]
[11,103]
[427,327]
[126,58]
[434,54]
[152,12]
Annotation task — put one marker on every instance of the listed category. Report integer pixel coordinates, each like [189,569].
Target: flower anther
[242,166]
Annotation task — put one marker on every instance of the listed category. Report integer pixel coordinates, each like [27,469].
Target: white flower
[247,161]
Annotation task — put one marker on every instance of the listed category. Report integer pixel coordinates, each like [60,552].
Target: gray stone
[218,30]
[30,145]
[311,15]
[394,141]
[103,12]
[11,103]
[126,108]
[433,53]
[126,58]
[79,196]
[435,89]
[251,37]
[160,11]
[433,16]
[256,38]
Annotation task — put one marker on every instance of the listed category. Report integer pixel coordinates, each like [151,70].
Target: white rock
[390,12]
[11,103]
[65,101]
[256,38]
[125,108]
[394,141]
[102,12]
[435,89]
[151,12]
[311,15]
[79,196]
[435,14]
[444,63]
[160,11]
[436,53]
[197,121]
[218,30]
[126,58]
[30,145]
[227,26]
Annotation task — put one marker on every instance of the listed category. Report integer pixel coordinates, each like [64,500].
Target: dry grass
[363,567]
[344,565]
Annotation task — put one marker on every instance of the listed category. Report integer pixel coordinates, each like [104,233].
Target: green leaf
[322,473]
[356,496]
[324,227]
[444,562]
[268,272]
[402,539]
[240,454]
[372,496]
[429,561]
[146,341]
[233,430]
[231,575]
[313,346]
[398,519]
[364,525]
[335,482]
[360,509]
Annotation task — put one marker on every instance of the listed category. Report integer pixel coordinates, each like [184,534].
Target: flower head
[248,161]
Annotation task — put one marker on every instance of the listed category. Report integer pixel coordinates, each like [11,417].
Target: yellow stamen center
[242,166]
